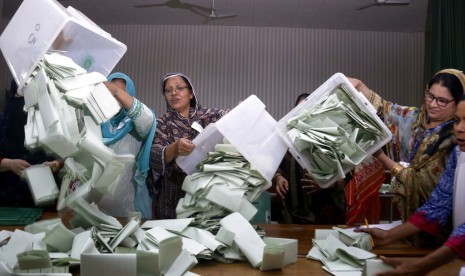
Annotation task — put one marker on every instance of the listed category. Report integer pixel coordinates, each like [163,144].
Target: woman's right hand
[379,236]
[184,147]
[17,166]
[282,186]
[360,86]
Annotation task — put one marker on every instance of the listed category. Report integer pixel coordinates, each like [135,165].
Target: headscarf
[420,130]
[109,136]
[194,103]
[142,200]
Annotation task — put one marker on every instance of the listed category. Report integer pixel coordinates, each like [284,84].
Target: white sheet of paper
[174,225]
[246,237]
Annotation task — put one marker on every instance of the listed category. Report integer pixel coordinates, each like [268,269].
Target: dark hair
[461,99]
[450,82]
[301,97]
[13,87]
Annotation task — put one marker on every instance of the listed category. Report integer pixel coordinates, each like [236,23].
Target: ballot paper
[335,133]
[373,267]
[41,183]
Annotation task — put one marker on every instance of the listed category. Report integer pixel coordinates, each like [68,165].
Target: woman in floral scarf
[422,141]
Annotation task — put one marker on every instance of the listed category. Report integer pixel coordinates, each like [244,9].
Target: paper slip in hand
[373,267]
[107,104]
[41,183]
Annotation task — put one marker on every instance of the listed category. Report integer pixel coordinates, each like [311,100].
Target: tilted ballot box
[42,25]
[333,130]
[250,129]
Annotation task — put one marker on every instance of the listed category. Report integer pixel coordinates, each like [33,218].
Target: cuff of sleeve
[418,219]
[457,244]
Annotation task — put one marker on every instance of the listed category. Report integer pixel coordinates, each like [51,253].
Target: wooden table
[304,234]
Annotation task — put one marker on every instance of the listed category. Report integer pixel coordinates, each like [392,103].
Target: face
[436,112]
[178,95]
[459,125]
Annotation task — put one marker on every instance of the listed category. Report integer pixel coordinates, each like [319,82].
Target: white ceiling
[314,14]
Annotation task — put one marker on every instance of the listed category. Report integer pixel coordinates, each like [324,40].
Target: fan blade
[366,6]
[222,16]
[399,2]
[149,5]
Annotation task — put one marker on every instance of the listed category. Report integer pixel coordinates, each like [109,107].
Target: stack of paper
[335,133]
[224,184]
[41,183]
[341,250]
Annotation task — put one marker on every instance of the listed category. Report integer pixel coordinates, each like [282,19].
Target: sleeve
[433,215]
[456,241]
[142,117]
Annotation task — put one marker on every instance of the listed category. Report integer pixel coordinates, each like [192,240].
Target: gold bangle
[372,96]
[396,170]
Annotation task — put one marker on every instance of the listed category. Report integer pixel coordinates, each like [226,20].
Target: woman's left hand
[403,267]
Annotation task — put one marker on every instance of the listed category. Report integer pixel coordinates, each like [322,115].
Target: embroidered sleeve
[142,117]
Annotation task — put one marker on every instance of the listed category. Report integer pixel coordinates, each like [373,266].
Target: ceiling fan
[385,3]
[213,15]
[177,4]
[197,9]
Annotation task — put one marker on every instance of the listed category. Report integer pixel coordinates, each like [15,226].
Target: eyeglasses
[178,89]
[440,101]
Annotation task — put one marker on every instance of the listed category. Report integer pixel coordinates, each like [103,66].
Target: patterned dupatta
[459,192]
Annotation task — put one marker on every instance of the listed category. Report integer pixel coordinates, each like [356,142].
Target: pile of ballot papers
[65,107]
[336,134]
[224,183]
[345,252]
[102,246]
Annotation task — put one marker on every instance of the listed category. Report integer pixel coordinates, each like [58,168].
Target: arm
[422,266]
[14,165]
[385,237]
[121,96]
[142,117]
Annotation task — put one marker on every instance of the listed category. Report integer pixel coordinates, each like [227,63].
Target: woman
[423,138]
[14,157]
[446,201]
[131,131]
[184,119]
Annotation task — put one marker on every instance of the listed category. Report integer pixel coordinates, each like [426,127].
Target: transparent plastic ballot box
[251,130]
[304,158]
[42,25]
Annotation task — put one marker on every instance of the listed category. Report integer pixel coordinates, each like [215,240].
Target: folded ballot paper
[41,183]
[333,130]
[341,250]
[52,114]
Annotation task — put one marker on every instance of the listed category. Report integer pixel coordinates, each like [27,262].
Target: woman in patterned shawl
[184,119]
[422,141]
[446,202]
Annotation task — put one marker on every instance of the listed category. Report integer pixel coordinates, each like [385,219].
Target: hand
[309,185]
[114,90]
[282,186]
[403,267]
[17,166]
[379,236]
[55,166]
[360,86]
[184,147]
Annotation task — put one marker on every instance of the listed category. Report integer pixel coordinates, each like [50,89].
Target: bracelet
[396,170]
[372,96]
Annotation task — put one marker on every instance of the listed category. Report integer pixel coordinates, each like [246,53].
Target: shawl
[122,125]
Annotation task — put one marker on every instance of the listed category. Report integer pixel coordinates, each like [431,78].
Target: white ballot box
[363,107]
[251,130]
[42,25]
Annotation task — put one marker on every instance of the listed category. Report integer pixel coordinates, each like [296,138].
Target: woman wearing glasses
[181,123]
[422,142]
